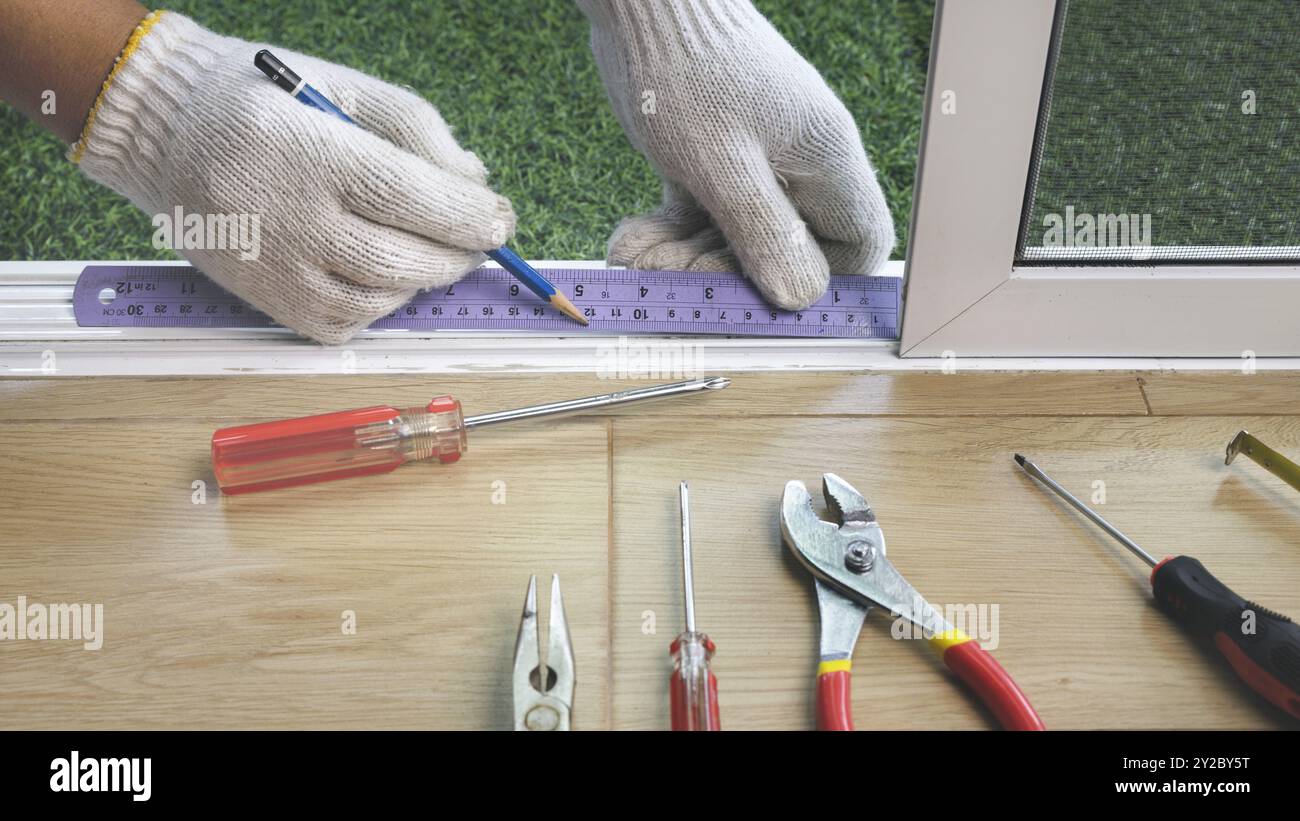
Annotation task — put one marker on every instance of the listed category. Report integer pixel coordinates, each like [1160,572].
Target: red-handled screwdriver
[693,689]
[290,452]
[1263,647]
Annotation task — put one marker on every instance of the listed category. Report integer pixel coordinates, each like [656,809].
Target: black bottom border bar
[336,769]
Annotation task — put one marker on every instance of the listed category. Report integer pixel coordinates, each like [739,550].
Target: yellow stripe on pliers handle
[834,666]
[939,641]
[948,638]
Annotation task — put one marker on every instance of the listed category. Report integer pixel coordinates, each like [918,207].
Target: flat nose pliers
[852,574]
[543,693]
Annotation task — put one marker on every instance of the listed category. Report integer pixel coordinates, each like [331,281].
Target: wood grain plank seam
[1142,389]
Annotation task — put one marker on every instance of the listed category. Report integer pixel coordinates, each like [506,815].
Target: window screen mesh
[1169,132]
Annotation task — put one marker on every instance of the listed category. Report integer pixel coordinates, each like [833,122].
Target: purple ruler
[615,300]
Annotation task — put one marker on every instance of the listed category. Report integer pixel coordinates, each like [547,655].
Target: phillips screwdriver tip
[1020,460]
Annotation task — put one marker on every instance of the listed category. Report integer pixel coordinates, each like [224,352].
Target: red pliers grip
[841,622]
[981,672]
[971,663]
[834,695]
[853,574]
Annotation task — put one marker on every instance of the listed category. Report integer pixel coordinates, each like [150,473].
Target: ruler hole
[107,295]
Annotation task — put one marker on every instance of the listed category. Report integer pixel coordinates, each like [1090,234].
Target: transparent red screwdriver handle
[340,445]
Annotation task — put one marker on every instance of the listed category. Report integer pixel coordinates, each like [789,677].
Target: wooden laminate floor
[229,613]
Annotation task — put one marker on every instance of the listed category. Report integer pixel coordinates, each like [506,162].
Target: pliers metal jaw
[852,574]
[849,555]
[543,693]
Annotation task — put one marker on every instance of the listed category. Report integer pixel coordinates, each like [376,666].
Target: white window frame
[964,294]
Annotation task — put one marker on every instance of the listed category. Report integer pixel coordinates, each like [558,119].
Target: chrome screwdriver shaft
[688,581]
[1115,533]
[692,688]
[710,383]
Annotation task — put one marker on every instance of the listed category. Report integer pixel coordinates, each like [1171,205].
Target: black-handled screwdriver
[1262,646]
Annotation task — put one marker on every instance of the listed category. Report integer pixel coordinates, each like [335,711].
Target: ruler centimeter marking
[619,300]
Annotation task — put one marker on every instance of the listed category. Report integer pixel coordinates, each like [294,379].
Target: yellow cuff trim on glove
[78,151]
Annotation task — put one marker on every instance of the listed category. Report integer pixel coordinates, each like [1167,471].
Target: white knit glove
[763,167]
[354,219]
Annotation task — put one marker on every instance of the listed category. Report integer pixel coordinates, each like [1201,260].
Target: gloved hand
[763,167]
[353,219]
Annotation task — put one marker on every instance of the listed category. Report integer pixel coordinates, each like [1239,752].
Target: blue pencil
[285,78]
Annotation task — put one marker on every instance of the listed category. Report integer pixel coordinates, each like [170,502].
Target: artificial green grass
[517,82]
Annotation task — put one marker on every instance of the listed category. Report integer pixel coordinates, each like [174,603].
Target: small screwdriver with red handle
[1261,646]
[693,689]
[289,452]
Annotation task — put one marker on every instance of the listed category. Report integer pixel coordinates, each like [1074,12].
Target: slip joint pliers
[847,559]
